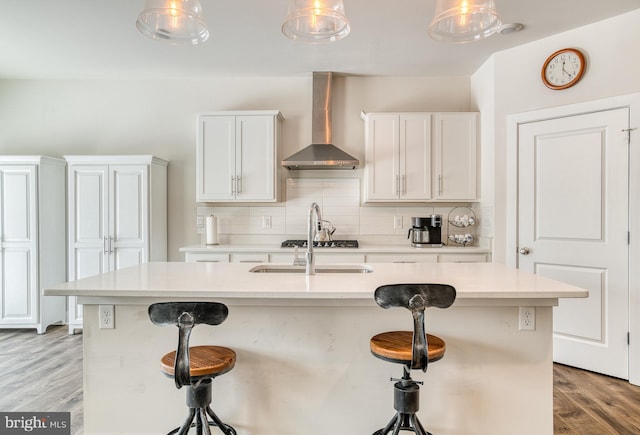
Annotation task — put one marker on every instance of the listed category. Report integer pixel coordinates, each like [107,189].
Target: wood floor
[44,373]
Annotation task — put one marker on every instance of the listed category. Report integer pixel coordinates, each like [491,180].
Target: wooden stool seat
[204,361]
[397,346]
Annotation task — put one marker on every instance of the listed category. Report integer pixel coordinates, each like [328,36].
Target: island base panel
[309,370]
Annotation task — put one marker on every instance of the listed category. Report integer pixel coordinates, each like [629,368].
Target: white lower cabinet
[321,257]
[463,258]
[117,216]
[192,257]
[327,256]
[32,241]
[402,258]
[249,258]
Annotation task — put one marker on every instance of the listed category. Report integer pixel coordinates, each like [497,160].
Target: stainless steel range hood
[321,154]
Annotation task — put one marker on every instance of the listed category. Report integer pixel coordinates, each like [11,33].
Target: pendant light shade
[464,20]
[173,21]
[316,21]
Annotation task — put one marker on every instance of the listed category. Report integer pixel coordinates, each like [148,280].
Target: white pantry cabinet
[32,241]
[417,157]
[398,157]
[455,143]
[117,216]
[236,156]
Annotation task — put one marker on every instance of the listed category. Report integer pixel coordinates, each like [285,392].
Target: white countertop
[364,247]
[476,283]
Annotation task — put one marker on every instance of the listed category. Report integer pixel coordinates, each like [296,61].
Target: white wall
[60,117]
[611,48]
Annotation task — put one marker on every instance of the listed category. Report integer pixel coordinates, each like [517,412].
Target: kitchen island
[304,365]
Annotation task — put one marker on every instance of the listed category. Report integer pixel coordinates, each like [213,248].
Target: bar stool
[413,349]
[195,367]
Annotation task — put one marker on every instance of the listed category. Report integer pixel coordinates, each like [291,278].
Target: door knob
[525,251]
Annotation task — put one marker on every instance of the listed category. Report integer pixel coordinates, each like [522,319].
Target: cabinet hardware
[239,184]
[105,245]
[233,185]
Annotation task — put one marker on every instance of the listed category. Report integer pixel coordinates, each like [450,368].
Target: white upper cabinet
[32,241]
[455,142]
[398,157]
[236,156]
[417,157]
[117,216]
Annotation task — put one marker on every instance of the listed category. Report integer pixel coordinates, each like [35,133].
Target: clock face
[563,69]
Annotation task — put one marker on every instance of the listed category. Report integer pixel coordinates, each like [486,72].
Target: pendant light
[173,21]
[316,21]
[464,20]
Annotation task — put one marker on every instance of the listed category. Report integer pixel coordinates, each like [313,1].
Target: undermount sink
[321,268]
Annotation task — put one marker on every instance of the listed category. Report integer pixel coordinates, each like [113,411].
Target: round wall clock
[563,69]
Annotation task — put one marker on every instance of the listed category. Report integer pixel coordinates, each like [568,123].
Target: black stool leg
[225,428]
[186,425]
[389,426]
[198,400]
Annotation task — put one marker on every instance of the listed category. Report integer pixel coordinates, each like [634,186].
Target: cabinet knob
[524,251]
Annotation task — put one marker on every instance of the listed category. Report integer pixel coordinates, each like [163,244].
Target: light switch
[266,222]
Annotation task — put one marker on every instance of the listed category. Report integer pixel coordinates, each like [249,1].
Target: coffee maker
[426,232]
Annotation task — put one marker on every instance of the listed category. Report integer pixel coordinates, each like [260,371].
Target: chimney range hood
[321,154]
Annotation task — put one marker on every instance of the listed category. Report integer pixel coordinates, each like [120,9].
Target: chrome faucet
[311,263]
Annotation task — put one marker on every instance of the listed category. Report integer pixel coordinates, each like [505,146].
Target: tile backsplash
[339,201]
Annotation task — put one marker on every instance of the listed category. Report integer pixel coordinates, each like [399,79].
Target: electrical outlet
[266,222]
[106,316]
[397,222]
[527,318]
[200,224]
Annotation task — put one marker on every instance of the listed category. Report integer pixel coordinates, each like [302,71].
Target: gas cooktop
[331,244]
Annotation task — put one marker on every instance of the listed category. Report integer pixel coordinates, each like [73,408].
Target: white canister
[212,230]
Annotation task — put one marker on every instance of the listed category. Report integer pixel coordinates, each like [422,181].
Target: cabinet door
[88,221]
[402,258]
[382,153]
[194,257]
[255,158]
[128,217]
[462,258]
[455,141]
[415,157]
[18,244]
[215,158]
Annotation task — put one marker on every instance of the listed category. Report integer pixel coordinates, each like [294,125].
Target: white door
[88,221]
[128,199]
[255,158]
[18,244]
[455,145]
[382,153]
[573,227]
[216,158]
[88,228]
[415,157]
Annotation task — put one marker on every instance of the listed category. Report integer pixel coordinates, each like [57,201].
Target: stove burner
[331,244]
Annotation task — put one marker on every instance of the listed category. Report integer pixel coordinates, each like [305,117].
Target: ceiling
[98,39]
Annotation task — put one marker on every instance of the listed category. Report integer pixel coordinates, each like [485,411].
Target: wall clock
[563,69]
